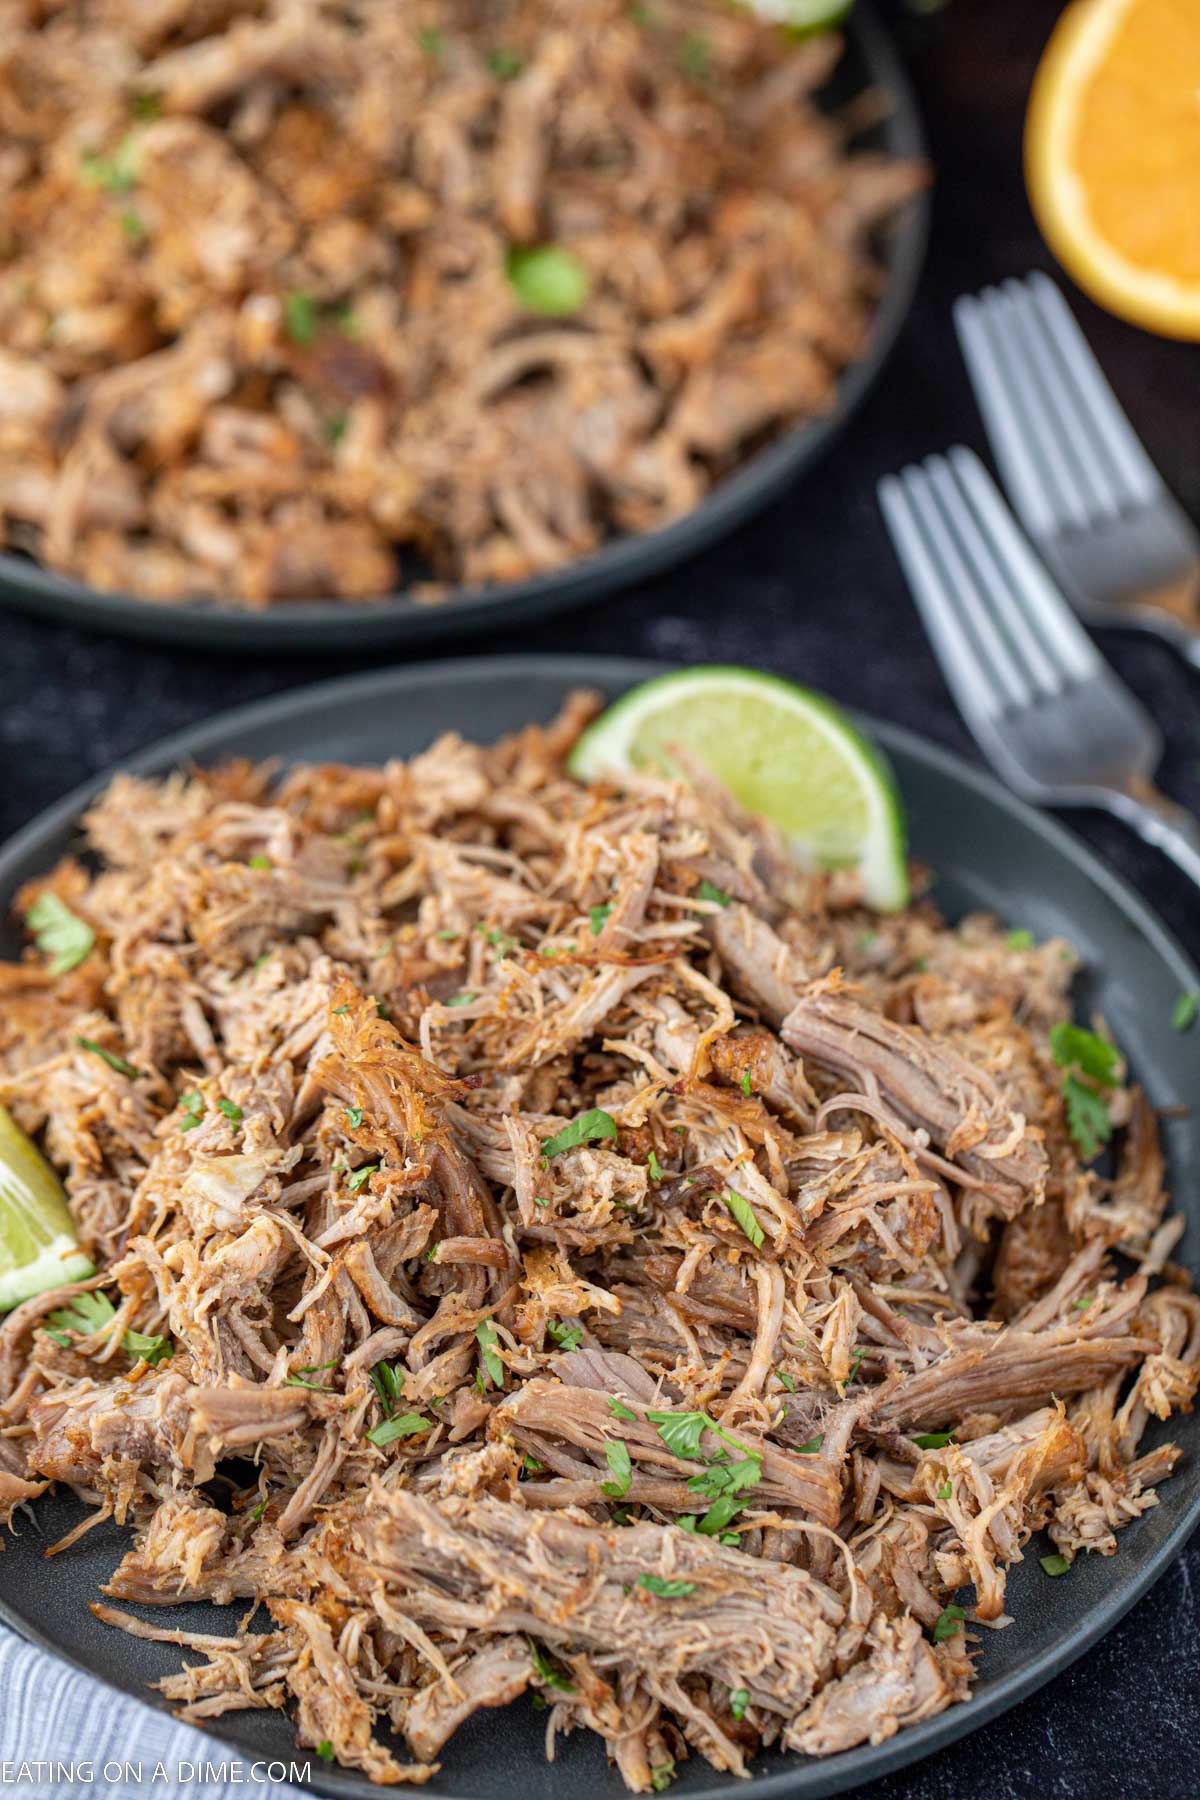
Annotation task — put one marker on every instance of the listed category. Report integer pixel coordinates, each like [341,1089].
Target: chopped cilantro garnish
[933,1440]
[382,1010]
[1185,1012]
[948,1622]
[531,1465]
[568,1337]
[447,936]
[547,278]
[739,1700]
[1088,1119]
[260,861]
[944,1491]
[789,1381]
[655,1167]
[1055,1564]
[260,1509]
[1020,939]
[546,1670]
[852,1371]
[1074,1048]
[587,1128]
[114,1062]
[325,1750]
[812,1446]
[616,1455]
[403,1425]
[231,1111]
[354,1115]
[666,1590]
[744,1083]
[463,999]
[1081,1305]
[505,65]
[433,43]
[340,1009]
[708,890]
[618,1410]
[485,1333]
[663,1773]
[152,1350]
[116,174]
[743,1212]
[301,320]
[598,917]
[361,1176]
[695,57]
[58,933]
[681,1432]
[192,1108]
[86,1314]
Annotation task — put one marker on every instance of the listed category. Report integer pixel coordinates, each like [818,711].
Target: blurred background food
[324,299]
[1112,152]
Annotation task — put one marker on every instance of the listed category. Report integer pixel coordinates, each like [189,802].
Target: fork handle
[1170,827]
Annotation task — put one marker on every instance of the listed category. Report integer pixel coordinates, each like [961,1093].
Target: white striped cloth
[65,1736]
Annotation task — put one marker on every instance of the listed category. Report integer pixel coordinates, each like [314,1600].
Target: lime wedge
[38,1246]
[802,17]
[784,752]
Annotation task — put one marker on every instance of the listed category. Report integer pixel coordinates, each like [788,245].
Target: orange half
[1112,156]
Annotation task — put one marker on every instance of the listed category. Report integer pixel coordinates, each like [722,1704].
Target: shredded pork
[264,335]
[714,1424]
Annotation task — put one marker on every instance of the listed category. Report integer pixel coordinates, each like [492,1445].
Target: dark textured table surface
[810,589]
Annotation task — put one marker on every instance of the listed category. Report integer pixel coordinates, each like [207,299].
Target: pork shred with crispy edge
[601,1260]
[259,336]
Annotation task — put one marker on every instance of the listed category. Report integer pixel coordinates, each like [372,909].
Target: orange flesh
[1137,141]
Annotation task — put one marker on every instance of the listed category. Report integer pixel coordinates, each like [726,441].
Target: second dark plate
[346,627]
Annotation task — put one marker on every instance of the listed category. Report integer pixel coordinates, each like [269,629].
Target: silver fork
[1119,544]
[1046,709]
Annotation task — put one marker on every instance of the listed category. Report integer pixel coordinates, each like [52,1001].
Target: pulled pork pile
[316,297]
[555,1245]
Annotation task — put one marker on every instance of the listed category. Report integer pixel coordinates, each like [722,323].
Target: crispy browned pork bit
[595,1258]
[323,297]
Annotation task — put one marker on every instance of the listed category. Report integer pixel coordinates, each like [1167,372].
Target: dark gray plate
[990,851]
[871,61]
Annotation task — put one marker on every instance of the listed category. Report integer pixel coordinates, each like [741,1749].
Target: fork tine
[1042,441]
[1136,473]
[1045,612]
[1021,475]
[978,667]
[1062,412]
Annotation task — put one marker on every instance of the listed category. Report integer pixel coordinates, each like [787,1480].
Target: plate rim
[848,1768]
[312,626]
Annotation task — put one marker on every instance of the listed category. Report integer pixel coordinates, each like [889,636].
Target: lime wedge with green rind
[784,752]
[38,1246]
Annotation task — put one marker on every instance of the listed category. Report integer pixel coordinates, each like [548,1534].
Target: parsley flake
[354,1115]
[598,917]
[231,1111]
[655,1167]
[569,1337]
[361,1176]
[325,1750]
[739,1700]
